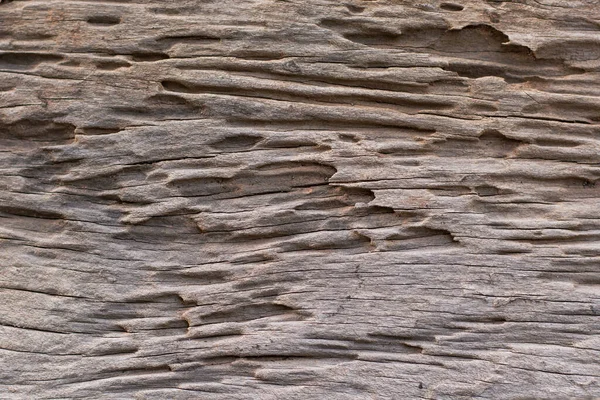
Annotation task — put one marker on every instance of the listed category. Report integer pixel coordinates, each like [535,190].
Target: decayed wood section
[297,199]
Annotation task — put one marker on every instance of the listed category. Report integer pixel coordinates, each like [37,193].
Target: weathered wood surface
[299,199]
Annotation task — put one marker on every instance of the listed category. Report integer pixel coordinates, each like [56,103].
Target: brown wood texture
[299,199]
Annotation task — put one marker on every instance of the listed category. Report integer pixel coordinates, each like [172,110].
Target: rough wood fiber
[299,199]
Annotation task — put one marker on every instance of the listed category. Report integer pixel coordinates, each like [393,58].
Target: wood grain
[294,199]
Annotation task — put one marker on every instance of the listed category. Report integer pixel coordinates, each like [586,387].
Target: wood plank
[293,199]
